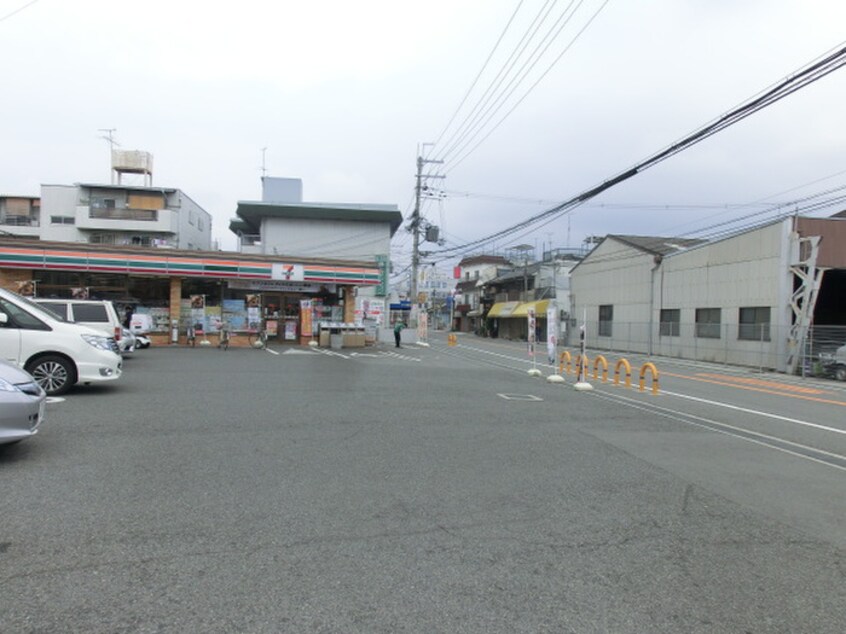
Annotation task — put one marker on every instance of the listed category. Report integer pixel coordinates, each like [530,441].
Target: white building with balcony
[20,216]
[123,215]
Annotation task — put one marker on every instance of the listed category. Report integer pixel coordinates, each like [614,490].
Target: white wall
[744,271]
[194,223]
[341,239]
[59,200]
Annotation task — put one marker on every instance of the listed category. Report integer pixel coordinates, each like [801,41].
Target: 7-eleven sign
[288,272]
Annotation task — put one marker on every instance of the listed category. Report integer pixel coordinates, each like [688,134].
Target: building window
[190,216]
[62,220]
[200,223]
[708,323]
[670,320]
[606,317]
[754,323]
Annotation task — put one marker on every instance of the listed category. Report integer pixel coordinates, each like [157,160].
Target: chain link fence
[761,346]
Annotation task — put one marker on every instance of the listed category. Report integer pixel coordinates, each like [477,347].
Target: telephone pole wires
[415,222]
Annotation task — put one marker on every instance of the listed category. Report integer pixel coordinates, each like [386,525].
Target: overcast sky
[341,93]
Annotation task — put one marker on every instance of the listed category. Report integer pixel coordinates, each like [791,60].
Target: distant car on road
[21,404]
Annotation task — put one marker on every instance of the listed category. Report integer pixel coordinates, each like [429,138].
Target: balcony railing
[19,221]
[125,213]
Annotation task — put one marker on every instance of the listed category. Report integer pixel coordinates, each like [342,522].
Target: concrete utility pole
[415,223]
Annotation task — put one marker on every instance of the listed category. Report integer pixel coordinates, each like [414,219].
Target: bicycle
[258,339]
[223,342]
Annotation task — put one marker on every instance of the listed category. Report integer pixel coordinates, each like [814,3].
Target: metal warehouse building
[753,299]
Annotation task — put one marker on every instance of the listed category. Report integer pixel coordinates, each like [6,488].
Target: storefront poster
[306,321]
[290,331]
[213,318]
[271,327]
[235,314]
[198,313]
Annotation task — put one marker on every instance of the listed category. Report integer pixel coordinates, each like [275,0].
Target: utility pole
[415,222]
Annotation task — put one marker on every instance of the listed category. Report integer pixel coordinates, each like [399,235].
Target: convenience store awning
[502,309]
[540,307]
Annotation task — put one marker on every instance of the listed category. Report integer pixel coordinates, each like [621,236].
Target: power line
[481,70]
[805,76]
[18,10]
[499,78]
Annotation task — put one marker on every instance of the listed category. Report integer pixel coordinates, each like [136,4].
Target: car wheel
[840,373]
[54,374]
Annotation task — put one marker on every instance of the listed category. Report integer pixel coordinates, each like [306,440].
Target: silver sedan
[21,404]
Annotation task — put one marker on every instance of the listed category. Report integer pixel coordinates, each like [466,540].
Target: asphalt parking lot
[398,490]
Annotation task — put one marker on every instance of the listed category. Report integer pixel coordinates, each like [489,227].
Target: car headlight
[101,343]
[5,386]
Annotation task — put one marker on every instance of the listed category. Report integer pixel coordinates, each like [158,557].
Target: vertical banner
[384,269]
[306,321]
[551,332]
[532,323]
[198,313]
[423,326]
[253,312]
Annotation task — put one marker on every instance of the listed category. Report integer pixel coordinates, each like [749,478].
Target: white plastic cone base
[583,387]
[312,343]
[534,372]
[555,378]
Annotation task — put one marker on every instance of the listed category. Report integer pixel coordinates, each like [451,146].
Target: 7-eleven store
[288,297]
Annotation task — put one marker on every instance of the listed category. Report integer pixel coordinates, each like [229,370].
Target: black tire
[55,374]
[840,373]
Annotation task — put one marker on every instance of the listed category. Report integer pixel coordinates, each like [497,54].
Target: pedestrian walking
[398,326]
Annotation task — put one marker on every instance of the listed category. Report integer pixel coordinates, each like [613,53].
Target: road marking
[54,399]
[272,351]
[762,383]
[746,410]
[520,397]
[296,351]
[364,354]
[757,389]
[731,430]
[332,353]
[397,355]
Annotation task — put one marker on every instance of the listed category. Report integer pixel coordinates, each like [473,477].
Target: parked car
[834,364]
[21,404]
[98,314]
[142,341]
[56,353]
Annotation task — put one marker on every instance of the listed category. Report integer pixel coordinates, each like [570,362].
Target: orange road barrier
[564,355]
[600,359]
[651,367]
[452,340]
[581,366]
[624,363]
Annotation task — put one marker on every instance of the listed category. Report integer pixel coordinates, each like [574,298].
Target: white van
[56,353]
[98,314]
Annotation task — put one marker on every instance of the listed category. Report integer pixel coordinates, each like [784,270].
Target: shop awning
[540,307]
[502,309]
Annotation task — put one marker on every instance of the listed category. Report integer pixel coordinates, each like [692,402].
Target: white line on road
[728,430]
[272,351]
[757,412]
